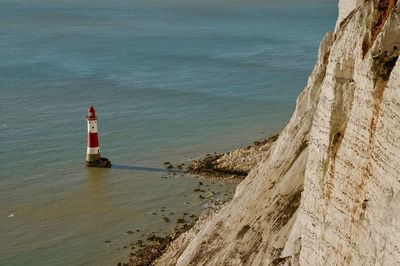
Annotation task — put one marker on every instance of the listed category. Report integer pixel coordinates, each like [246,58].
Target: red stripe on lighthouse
[93,140]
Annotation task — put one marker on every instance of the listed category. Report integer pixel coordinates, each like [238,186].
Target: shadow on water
[144,168]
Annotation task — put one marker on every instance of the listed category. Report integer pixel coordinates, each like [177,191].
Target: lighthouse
[93,157]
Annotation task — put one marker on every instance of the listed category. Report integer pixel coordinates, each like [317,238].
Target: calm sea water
[170,80]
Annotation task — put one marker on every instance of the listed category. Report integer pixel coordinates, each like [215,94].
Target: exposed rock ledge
[329,191]
[233,166]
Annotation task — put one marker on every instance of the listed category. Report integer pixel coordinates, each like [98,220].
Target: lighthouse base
[100,163]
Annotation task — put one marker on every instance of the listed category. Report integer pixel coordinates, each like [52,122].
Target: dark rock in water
[193,216]
[167,163]
[119,264]
[198,190]
[201,197]
[200,183]
[185,213]
[166,219]
[151,238]
[170,166]
[108,241]
[129,232]
[180,220]
[137,230]
[101,163]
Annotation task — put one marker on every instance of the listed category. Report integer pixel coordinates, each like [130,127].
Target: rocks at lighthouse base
[101,163]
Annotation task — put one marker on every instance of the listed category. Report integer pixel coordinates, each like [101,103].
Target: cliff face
[327,192]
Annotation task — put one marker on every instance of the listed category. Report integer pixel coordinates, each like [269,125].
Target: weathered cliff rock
[328,191]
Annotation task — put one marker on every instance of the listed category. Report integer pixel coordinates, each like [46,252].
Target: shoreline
[230,167]
[233,166]
[148,253]
[224,168]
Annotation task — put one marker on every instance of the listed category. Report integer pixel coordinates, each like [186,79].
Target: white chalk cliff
[327,192]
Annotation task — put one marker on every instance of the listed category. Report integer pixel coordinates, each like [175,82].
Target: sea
[171,80]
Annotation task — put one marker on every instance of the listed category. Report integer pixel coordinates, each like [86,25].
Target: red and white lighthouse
[93,158]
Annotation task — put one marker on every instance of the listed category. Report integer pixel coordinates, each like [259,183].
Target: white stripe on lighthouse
[92,126]
[93,150]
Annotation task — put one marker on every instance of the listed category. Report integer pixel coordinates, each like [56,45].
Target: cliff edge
[327,191]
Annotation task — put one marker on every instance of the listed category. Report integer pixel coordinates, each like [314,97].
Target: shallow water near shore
[170,81]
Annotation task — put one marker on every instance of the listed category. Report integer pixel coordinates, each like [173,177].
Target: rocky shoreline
[234,166]
[231,167]
[226,168]
[148,252]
